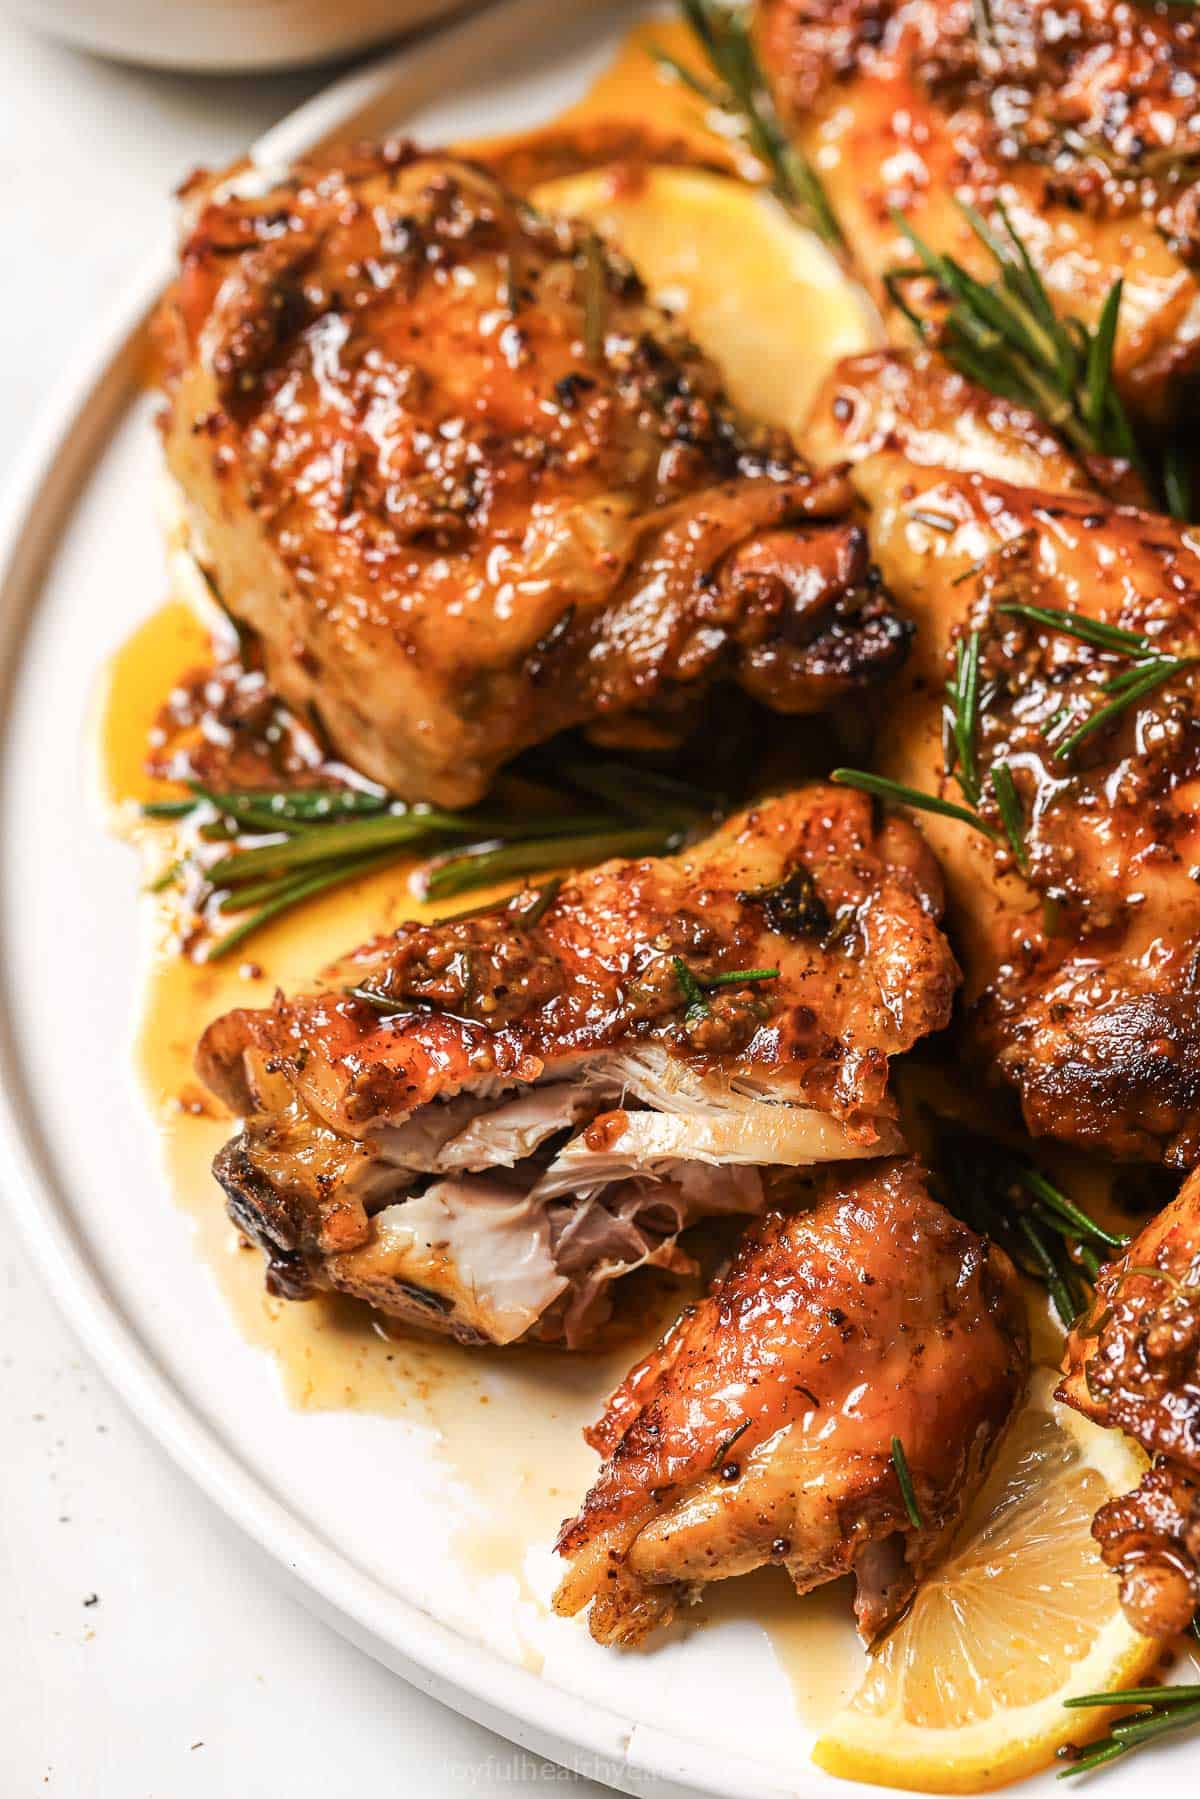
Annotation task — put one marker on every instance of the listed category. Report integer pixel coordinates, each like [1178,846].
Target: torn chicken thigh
[1133,1363]
[478,1125]
[468,487]
[762,1427]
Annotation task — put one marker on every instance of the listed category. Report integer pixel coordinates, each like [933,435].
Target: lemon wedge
[967,1692]
[760,293]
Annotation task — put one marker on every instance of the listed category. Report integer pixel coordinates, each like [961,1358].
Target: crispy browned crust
[875,1293]
[1152,1538]
[468,487]
[1133,1363]
[1080,969]
[1082,115]
[495,1004]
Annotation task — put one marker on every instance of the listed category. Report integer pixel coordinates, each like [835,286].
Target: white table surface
[145,1650]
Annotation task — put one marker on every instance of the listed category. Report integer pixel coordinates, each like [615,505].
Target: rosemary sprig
[1149,669]
[881,788]
[962,702]
[1006,336]
[739,977]
[1004,1196]
[907,1491]
[1162,1709]
[1008,804]
[693,994]
[497,861]
[284,847]
[694,987]
[739,90]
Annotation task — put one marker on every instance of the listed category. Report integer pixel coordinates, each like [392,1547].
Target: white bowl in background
[227,35]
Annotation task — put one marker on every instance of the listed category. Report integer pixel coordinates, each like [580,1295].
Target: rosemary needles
[739,90]
[1163,1709]
[255,855]
[1006,336]
[908,1492]
[960,736]
[1148,669]
[1003,1196]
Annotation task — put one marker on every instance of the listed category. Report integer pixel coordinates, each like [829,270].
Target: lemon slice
[760,293]
[967,1692]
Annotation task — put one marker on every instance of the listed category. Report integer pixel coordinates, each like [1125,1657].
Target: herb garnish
[1006,336]
[1149,668]
[793,907]
[907,1491]
[1163,1709]
[689,986]
[1003,1196]
[287,846]
[718,1460]
[694,987]
[740,91]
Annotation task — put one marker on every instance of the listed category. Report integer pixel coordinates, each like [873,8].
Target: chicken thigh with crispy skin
[469,488]
[761,1429]
[1133,1363]
[1080,115]
[1080,968]
[477,1125]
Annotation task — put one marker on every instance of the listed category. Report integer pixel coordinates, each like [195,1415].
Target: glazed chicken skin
[761,1428]
[1080,117]
[1133,1363]
[477,1125]
[1079,969]
[468,488]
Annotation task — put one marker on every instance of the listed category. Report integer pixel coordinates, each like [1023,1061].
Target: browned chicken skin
[469,488]
[1080,975]
[761,1428]
[1080,116]
[1133,1363]
[477,1125]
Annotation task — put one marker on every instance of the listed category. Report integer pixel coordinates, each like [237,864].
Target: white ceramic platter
[360,1509]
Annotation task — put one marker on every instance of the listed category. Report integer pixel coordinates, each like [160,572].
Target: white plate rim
[589,1737]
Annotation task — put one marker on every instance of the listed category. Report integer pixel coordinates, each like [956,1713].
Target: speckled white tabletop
[145,1651]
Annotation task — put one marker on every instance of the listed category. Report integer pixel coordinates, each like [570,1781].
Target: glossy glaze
[469,487]
[761,1428]
[1080,973]
[1081,117]
[1133,1363]
[576,1008]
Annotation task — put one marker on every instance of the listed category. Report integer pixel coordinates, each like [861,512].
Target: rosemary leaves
[1149,669]
[1162,1709]
[739,90]
[907,1491]
[695,988]
[1004,1196]
[254,855]
[1006,336]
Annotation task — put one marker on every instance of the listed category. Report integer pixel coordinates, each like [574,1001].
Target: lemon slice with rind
[756,290]
[967,1692]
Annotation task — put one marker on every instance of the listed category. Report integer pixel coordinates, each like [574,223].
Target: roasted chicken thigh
[1080,116]
[1133,1362]
[477,1125]
[1079,948]
[762,1427]
[468,488]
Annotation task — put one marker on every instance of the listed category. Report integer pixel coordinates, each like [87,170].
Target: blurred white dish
[228,34]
